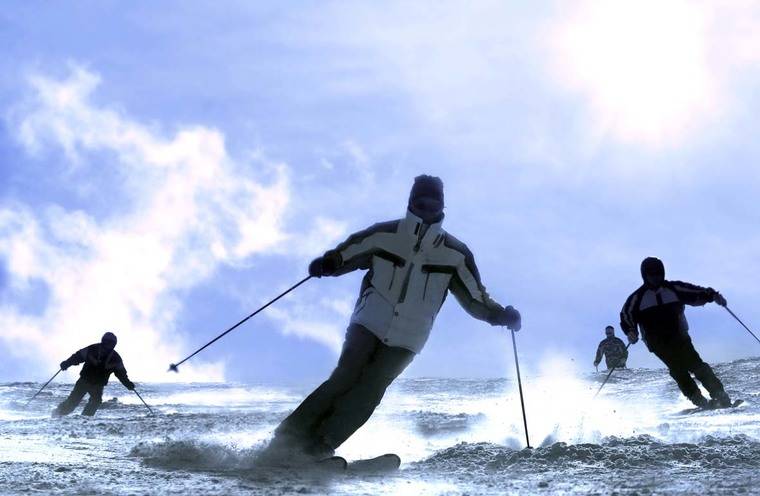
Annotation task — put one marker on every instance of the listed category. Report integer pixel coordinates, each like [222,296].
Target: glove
[632,337]
[64,365]
[130,386]
[596,364]
[509,317]
[719,299]
[325,265]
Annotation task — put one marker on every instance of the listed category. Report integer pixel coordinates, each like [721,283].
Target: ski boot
[699,400]
[720,400]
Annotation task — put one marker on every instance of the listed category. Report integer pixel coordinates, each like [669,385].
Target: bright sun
[642,65]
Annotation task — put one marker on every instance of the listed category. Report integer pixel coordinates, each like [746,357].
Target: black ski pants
[346,400]
[81,388]
[682,360]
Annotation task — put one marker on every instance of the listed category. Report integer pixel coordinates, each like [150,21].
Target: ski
[691,411]
[332,464]
[384,463]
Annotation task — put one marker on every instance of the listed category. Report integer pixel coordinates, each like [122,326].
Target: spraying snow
[454,436]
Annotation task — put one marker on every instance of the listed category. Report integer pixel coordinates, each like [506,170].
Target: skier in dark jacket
[657,308]
[100,360]
[613,349]
[412,265]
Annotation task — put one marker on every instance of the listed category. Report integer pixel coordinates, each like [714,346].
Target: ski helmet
[109,338]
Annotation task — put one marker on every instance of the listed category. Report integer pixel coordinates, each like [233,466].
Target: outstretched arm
[355,252]
[598,357]
[472,295]
[121,373]
[75,359]
[628,322]
[694,295]
[478,303]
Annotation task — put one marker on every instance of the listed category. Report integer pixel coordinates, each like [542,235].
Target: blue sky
[166,169]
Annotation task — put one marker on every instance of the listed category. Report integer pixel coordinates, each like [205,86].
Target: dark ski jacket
[411,268]
[614,351]
[99,363]
[659,312]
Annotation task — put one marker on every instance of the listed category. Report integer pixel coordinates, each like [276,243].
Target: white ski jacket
[411,269]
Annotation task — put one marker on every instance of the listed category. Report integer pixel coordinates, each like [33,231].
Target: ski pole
[143,401]
[742,323]
[173,366]
[519,386]
[608,375]
[43,387]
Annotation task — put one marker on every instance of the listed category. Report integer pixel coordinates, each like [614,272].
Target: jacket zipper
[420,235]
[393,277]
[424,291]
[402,296]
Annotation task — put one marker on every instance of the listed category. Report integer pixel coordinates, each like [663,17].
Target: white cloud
[182,206]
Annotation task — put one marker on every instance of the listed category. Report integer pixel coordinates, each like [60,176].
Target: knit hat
[427,186]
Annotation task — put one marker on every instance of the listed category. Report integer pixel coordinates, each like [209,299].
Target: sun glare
[641,64]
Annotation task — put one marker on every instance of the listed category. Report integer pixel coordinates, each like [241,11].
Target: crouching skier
[613,349]
[657,307]
[100,360]
[413,263]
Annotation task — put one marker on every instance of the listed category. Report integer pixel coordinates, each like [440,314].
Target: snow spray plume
[173,366]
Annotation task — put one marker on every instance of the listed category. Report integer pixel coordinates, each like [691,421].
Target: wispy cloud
[182,207]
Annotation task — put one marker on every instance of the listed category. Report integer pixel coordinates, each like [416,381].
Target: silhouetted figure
[613,349]
[657,307]
[412,264]
[100,360]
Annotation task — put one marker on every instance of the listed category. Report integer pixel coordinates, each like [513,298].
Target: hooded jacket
[659,312]
[99,363]
[411,268]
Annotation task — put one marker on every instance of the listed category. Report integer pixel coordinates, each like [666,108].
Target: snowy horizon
[166,170]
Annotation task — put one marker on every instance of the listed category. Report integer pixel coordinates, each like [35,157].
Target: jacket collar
[413,224]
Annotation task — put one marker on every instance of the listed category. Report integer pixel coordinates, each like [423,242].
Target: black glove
[719,299]
[130,385]
[509,317]
[632,337]
[325,265]
[64,365]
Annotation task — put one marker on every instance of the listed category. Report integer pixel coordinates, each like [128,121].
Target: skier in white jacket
[412,264]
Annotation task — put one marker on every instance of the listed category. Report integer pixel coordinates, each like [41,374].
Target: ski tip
[173,368]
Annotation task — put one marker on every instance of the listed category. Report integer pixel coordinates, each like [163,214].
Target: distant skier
[100,360]
[412,264]
[613,349]
[657,307]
